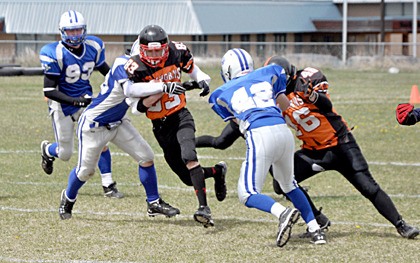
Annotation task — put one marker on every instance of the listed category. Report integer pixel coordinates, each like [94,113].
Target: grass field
[105,230]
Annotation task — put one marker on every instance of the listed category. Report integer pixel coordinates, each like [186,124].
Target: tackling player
[406,114]
[156,73]
[328,143]
[104,121]
[68,65]
[249,98]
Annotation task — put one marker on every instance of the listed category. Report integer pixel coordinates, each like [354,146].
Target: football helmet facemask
[285,64]
[72,20]
[154,45]
[235,63]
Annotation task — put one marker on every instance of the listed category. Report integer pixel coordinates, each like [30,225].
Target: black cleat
[46,161]
[203,216]
[318,237]
[160,207]
[286,221]
[220,182]
[112,191]
[65,206]
[406,230]
[322,221]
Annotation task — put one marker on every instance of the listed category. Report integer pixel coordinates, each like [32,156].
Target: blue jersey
[73,71]
[110,105]
[251,98]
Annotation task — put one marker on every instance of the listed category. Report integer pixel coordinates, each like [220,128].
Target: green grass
[105,230]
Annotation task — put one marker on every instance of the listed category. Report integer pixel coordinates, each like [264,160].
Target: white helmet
[72,20]
[236,62]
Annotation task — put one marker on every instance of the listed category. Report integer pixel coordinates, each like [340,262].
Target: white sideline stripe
[176,188]
[160,155]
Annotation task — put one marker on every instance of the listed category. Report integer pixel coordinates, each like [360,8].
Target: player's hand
[404,114]
[82,101]
[190,85]
[309,92]
[173,88]
[205,89]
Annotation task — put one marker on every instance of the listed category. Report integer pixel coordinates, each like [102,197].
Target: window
[245,39]
[227,39]
[200,46]
[260,46]
[280,45]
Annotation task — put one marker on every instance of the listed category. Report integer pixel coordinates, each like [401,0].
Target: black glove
[204,87]
[190,85]
[141,107]
[82,101]
[173,88]
[309,92]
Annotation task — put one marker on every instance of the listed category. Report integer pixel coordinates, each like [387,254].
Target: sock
[148,178]
[104,163]
[261,202]
[52,150]
[312,226]
[301,203]
[106,179]
[73,186]
[199,183]
[277,209]
[211,171]
[385,207]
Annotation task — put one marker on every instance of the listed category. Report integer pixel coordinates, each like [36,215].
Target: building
[211,27]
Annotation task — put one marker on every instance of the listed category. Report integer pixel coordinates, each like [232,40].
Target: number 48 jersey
[251,98]
[73,71]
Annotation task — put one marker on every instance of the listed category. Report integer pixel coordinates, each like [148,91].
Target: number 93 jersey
[73,71]
[251,98]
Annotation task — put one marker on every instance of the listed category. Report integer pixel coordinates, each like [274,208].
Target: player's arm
[145,89]
[52,93]
[103,68]
[282,102]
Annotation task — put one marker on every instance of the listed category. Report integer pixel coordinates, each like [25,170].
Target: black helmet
[154,47]
[284,63]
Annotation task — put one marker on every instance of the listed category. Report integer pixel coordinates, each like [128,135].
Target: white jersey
[110,105]
[104,121]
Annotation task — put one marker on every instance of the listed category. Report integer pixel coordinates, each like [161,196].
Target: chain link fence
[317,54]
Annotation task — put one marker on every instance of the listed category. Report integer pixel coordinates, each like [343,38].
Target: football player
[104,121]
[156,74]
[327,142]
[68,65]
[250,97]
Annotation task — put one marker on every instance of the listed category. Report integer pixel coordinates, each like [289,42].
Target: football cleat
[66,206]
[203,216]
[112,191]
[220,182]
[160,207]
[318,237]
[46,161]
[406,230]
[286,221]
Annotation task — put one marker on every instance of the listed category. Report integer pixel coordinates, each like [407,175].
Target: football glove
[82,101]
[404,114]
[192,84]
[173,88]
[309,92]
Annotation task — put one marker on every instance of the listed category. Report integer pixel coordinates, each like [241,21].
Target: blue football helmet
[72,20]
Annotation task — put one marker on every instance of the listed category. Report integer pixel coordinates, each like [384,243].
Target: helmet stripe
[242,59]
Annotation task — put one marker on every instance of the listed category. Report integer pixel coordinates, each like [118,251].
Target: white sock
[313,226]
[106,179]
[277,209]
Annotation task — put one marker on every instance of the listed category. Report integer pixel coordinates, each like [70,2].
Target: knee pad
[64,154]
[85,174]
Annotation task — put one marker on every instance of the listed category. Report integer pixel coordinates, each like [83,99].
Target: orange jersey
[317,124]
[179,60]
